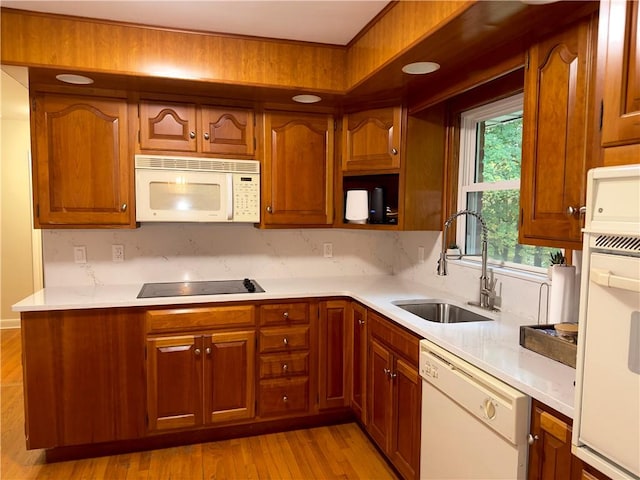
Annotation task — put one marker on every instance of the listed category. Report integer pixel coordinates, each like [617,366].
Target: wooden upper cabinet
[82,162]
[372,139]
[557,133]
[228,131]
[298,169]
[168,126]
[191,128]
[621,108]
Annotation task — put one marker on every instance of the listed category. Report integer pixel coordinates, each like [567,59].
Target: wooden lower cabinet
[84,377]
[394,392]
[200,379]
[332,387]
[285,360]
[550,456]
[358,358]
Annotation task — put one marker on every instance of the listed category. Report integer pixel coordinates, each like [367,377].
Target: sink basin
[441,312]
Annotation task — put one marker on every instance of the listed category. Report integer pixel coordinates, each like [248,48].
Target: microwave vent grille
[620,243]
[199,164]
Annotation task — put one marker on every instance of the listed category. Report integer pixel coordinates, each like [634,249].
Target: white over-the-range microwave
[189,189]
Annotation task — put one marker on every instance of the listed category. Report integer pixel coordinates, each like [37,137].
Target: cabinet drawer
[284,314]
[284,396]
[284,339]
[181,319]
[400,340]
[284,365]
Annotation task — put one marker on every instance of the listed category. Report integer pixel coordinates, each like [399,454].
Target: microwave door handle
[229,197]
[604,278]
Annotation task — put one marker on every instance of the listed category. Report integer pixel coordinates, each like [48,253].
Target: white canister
[357,208]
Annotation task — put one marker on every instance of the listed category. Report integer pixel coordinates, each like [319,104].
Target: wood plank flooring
[341,451]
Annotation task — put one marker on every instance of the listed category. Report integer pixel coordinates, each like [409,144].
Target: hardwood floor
[341,451]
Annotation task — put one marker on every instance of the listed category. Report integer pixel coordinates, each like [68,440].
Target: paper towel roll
[561,298]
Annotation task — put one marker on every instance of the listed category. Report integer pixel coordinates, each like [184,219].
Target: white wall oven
[606,431]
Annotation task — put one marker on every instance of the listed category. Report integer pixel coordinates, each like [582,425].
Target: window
[489,183]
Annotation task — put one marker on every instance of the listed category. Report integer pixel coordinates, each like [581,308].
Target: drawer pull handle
[285,340]
[285,399]
[285,315]
[285,367]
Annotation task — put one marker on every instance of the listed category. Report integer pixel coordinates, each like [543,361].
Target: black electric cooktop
[185,289]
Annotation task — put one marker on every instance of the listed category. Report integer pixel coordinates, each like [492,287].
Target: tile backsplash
[172,252]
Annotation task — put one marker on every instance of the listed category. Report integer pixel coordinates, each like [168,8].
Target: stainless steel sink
[441,312]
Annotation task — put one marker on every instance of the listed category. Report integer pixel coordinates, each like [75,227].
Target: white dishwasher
[473,425]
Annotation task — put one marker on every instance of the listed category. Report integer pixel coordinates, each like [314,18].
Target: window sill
[532,275]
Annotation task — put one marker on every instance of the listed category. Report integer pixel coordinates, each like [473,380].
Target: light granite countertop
[491,346]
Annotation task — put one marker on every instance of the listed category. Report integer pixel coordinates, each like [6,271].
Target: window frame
[466,173]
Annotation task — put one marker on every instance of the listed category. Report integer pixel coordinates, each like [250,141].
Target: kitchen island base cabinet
[394,392]
[84,376]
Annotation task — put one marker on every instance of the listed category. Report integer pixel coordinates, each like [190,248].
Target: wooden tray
[543,339]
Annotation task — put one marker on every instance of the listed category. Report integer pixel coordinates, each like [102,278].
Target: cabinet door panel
[168,126]
[621,115]
[372,140]
[556,146]
[332,373]
[84,376]
[380,400]
[174,382]
[82,165]
[228,131]
[405,438]
[229,377]
[359,360]
[298,177]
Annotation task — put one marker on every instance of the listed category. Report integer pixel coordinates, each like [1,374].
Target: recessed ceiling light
[75,79]
[420,68]
[306,98]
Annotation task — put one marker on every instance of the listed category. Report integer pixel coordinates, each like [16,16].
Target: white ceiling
[323,21]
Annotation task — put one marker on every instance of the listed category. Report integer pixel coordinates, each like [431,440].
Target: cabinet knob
[392,375]
[575,211]
[285,340]
[208,350]
[123,207]
[206,135]
[197,352]
[192,135]
[285,367]
[285,315]
[532,439]
[386,371]
[394,151]
[285,399]
[361,322]
[269,209]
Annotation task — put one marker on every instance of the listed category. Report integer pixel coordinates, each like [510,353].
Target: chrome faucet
[487,285]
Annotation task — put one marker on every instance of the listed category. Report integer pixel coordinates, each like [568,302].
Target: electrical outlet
[80,254]
[117,253]
[420,254]
[328,250]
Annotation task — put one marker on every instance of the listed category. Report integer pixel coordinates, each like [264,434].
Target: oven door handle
[604,278]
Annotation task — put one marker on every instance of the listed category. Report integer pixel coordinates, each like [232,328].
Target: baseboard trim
[9,323]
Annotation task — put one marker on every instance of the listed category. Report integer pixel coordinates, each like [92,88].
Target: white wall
[16,265]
